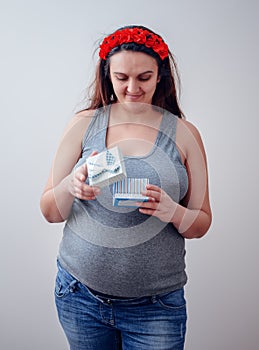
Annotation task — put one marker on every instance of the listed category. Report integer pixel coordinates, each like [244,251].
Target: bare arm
[193,216]
[64,184]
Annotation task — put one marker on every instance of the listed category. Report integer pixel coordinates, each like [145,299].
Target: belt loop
[153,299]
[72,286]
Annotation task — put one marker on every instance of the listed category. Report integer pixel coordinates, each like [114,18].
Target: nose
[133,86]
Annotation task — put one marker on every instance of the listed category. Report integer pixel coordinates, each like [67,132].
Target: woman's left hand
[160,204]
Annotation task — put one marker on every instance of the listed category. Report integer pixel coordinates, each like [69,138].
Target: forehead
[130,61]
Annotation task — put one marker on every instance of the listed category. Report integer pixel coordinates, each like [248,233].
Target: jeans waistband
[108,296]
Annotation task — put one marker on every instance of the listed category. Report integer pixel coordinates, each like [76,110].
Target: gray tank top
[117,250]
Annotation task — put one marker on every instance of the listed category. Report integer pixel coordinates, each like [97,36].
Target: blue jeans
[96,322]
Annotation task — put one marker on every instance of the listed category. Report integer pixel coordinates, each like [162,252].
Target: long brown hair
[165,96]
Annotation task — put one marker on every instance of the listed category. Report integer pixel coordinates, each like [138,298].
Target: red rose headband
[134,35]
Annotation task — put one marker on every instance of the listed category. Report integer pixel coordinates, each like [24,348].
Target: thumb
[84,166]
[83,172]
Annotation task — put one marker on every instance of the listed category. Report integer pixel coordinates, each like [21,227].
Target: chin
[136,107]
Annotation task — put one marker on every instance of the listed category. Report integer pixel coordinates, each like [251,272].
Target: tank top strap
[99,123]
[168,125]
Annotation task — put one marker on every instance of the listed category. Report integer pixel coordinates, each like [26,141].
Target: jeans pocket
[64,284]
[173,301]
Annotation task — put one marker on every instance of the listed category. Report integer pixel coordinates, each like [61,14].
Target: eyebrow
[146,72]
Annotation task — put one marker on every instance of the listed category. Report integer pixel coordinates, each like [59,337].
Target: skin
[134,76]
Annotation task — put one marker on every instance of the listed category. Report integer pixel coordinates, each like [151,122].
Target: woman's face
[134,76]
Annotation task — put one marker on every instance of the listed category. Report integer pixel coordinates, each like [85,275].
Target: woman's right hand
[77,186]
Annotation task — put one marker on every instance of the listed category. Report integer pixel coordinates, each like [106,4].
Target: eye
[121,77]
[145,78]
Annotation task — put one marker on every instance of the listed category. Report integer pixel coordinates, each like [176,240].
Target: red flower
[136,35]
[150,41]
[124,36]
[114,41]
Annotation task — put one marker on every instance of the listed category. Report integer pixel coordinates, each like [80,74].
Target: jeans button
[109,301]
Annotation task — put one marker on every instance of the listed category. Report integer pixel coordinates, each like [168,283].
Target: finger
[148,205]
[150,212]
[84,195]
[81,173]
[94,153]
[77,183]
[85,169]
[153,191]
[153,187]
[152,194]
[87,190]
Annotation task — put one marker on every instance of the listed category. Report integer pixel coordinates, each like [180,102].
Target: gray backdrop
[46,63]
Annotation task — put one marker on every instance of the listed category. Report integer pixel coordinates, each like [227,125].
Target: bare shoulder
[188,137]
[79,122]
[186,128]
[84,116]
[85,113]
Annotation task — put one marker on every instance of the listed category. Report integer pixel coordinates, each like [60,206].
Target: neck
[134,112]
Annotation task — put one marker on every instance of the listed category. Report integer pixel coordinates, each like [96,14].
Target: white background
[45,65]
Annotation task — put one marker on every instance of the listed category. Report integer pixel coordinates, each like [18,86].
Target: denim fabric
[98,322]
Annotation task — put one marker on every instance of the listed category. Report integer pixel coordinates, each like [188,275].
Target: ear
[158,79]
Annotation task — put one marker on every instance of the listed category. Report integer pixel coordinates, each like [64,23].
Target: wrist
[178,214]
[67,185]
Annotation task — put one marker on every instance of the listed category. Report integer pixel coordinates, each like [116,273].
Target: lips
[133,96]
